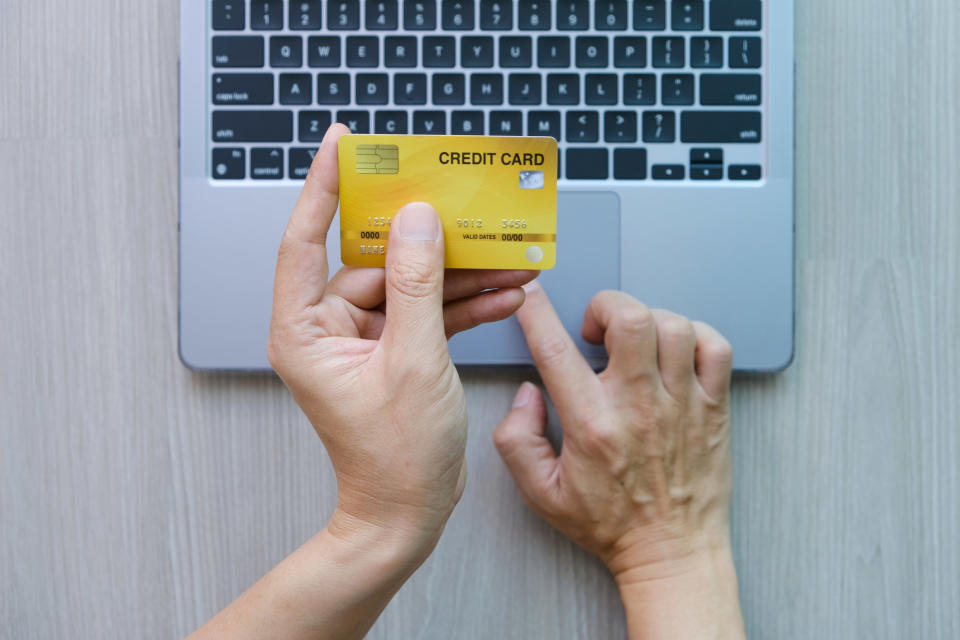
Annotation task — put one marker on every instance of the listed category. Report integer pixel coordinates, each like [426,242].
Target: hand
[643,479]
[365,356]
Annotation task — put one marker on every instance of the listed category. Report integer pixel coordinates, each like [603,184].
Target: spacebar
[252,126]
[720,126]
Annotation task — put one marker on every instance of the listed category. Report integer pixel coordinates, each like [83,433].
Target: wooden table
[137,498]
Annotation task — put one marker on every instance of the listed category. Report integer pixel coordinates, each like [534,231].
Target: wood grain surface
[137,498]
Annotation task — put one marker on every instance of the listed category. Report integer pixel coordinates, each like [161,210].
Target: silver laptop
[675,127]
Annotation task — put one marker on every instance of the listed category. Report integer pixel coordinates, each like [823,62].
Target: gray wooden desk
[136,498]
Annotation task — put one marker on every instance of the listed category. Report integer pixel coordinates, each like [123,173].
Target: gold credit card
[497,197]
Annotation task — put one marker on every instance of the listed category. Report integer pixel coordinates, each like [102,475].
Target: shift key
[252,126]
[720,126]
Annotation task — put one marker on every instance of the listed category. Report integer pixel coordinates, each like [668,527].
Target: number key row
[494,15]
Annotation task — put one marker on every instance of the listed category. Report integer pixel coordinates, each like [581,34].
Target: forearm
[692,598]
[333,587]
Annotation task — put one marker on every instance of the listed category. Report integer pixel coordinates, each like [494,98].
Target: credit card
[496,196]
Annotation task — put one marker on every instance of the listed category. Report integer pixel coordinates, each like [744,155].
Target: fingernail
[533,285]
[524,395]
[418,221]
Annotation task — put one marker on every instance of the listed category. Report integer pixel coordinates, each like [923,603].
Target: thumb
[525,449]
[414,280]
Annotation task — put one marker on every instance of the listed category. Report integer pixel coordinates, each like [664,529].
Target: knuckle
[719,351]
[635,318]
[553,350]
[675,327]
[413,278]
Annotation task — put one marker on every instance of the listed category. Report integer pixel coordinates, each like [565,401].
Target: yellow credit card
[496,196]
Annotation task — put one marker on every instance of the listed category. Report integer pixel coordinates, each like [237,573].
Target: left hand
[365,356]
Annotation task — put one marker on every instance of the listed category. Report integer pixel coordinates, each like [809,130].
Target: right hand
[643,479]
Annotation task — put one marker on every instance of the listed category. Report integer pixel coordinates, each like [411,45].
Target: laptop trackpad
[588,261]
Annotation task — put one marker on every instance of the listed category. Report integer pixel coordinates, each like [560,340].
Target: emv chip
[378,158]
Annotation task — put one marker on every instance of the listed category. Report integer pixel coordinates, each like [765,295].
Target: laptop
[674,120]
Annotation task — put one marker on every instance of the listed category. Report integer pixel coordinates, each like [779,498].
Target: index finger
[302,271]
[566,374]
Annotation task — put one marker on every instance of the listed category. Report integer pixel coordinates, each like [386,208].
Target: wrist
[690,596]
[398,546]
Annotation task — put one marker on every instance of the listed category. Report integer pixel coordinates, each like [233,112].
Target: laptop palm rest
[588,261]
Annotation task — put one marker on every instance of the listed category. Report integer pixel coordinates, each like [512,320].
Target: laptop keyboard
[633,90]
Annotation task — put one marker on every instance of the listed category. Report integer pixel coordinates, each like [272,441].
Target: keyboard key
[305,15]
[312,125]
[429,123]
[563,88]
[713,155]
[323,51]
[687,15]
[448,88]
[524,88]
[677,89]
[372,88]
[242,88]
[496,15]
[745,53]
[296,88]
[266,14]
[553,52]
[620,126]
[610,15]
[573,15]
[649,15]
[630,164]
[744,172]
[420,16]
[286,51]
[706,171]
[356,121]
[600,88]
[333,88]
[400,51]
[252,126]
[591,52]
[639,89]
[668,171]
[390,122]
[587,164]
[410,88]
[457,15]
[300,160]
[343,16]
[381,15]
[438,51]
[486,88]
[630,52]
[476,52]
[237,51]
[229,163]
[466,123]
[516,51]
[736,15]
[659,126]
[227,15]
[668,52]
[266,164]
[533,15]
[583,126]
[363,51]
[706,53]
[720,126]
[543,123]
[506,123]
[730,89]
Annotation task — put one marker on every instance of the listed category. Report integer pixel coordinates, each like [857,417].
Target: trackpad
[588,261]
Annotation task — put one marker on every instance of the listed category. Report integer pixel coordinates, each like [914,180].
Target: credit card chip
[378,158]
